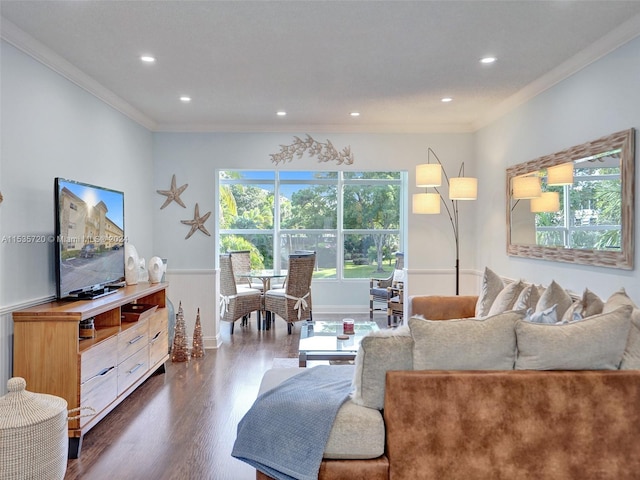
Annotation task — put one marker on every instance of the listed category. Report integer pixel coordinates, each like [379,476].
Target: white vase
[156,269]
[131,264]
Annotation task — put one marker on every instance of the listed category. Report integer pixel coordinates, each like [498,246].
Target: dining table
[265,275]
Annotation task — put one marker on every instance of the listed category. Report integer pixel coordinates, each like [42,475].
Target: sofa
[545,392]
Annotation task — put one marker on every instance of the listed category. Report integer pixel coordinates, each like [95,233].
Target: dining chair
[378,287]
[293,303]
[241,260]
[236,302]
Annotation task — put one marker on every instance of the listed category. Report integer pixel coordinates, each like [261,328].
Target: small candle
[347,326]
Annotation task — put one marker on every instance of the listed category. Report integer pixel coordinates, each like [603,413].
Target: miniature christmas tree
[180,351]
[197,350]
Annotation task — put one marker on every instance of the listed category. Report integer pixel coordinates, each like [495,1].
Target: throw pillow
[548,316]
[591,304]
[595,343]
[554,295]
[506,299]
[491,286]
[465,344]
[573,313]
[528,297]
[380,351]
[631,358]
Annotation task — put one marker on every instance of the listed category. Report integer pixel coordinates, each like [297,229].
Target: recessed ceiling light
[281,113]
[355,114]
[446,99]
[488,60]
[185,99]
[147,59]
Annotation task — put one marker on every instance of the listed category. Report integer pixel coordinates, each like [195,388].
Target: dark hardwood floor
[182,424]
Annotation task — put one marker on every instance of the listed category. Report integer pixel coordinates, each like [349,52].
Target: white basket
[33,434]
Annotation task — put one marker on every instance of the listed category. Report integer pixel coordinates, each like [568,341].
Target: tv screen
[89,222]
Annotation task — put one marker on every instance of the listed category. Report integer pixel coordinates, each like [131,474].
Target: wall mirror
[576,205]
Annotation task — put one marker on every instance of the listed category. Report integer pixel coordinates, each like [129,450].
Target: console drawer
[158,321]
[158,347]
[99,391]
[132,369]
[95,359]
[132,339]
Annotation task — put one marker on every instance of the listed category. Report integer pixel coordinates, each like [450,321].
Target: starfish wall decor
[325,152]
[197,223]
[173,194]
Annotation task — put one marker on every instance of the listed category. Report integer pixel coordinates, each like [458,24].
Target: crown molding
[43,54]
[613,40]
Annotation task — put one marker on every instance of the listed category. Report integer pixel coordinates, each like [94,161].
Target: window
[352,220]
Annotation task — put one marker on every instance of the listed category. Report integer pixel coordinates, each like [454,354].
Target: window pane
[246,206]
[260,246]
[369,255]
[324,244]
[371,207]
[370,175]
[309,206]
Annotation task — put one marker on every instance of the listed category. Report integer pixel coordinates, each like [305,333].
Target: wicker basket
[33,434]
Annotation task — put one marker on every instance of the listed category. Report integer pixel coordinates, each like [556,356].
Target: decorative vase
[156,269]
[131,264]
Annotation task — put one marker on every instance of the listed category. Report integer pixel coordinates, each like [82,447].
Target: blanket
[285,432]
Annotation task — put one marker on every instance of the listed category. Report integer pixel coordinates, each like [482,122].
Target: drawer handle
[102,373]
[136,339]
[155,337]
[138,366]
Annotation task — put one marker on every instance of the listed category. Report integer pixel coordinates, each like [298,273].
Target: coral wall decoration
[325,152]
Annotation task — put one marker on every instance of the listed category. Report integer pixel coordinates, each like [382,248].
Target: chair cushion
[378,292]
[245,290]
[276,292]
[357,432]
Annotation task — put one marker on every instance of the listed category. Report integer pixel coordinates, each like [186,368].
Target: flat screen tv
[89,229]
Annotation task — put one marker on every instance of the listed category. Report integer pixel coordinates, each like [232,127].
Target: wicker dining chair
[241,260]
[378,287]
[236,303]
[293,303]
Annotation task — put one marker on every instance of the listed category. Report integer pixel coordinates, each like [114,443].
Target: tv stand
[98,372]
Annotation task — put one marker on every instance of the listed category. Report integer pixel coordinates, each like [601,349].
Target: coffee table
[319,341]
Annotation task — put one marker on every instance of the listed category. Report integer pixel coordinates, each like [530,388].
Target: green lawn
[355,271]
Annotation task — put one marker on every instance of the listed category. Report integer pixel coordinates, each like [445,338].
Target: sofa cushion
[631,357]
[595,343]
[554,295]
[357,432]
[507,298]
[491,286]
[465,344]
[380,351]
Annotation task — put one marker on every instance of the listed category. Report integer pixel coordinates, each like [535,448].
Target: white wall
[602,98]
[194,158]
[49,128]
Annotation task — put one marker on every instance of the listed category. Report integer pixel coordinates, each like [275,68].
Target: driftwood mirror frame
[625,140]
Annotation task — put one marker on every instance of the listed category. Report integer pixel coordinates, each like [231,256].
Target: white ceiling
[393,61]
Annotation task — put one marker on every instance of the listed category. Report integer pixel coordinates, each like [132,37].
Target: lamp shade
[426,203]
[560,174]
[526,187]
[428,175]
[463,188]
[546,202]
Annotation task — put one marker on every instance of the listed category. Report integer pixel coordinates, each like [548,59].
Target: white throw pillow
[595,343]
[491,286]
[631,357]
[554,295]
[380,351]
[506,299]
[548,316]
[465,344]
[528,297]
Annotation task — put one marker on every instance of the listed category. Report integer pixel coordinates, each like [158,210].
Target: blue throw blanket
[285,432]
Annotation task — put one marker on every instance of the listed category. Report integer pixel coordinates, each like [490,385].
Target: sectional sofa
[538,384]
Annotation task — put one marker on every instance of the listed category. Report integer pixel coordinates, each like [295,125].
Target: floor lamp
[460,188]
